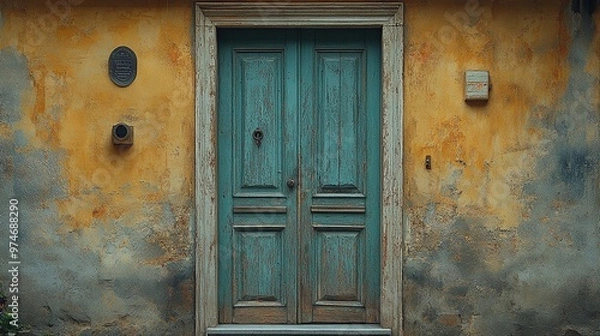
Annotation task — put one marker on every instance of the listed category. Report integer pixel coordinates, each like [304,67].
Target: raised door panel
[341,262]
[258,122]
[339,122]
[259,266]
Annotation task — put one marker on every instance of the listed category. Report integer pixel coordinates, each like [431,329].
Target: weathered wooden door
[299,186]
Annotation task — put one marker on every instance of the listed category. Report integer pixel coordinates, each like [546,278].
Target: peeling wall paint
[504,233]
[502,236]
[106,233]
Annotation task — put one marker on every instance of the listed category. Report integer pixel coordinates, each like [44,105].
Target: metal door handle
[291,183]
[258,136]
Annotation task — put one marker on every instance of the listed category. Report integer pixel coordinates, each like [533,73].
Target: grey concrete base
[300,329]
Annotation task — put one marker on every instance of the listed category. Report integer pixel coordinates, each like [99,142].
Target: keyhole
[258,136]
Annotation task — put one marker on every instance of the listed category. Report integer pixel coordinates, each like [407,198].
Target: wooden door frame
[211,15]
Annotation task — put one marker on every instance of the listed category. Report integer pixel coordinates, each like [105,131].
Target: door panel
[340,255]
[258,266]
[257,87]
[338,122]
[307,252]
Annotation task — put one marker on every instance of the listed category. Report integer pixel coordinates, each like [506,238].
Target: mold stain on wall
[503,235]
[106,232]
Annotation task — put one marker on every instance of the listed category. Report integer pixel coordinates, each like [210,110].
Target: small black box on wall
[122,134]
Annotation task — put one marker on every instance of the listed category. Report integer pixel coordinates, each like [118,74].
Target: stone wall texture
[502,235]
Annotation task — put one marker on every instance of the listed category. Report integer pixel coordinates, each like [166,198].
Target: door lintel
[304,14]
[214,14]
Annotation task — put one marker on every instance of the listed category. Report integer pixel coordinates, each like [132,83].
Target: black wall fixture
[583,6]
[122,66]
[122,134]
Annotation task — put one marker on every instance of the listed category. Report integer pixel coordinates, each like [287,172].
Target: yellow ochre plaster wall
[106,232]
[500,234]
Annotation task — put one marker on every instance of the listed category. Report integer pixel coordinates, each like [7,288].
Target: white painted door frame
[210,16]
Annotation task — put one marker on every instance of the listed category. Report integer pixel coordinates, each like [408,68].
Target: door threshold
[299,329]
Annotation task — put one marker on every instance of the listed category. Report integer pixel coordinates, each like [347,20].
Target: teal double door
[299,175]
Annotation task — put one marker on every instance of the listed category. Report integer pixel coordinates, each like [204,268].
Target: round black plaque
[122,66]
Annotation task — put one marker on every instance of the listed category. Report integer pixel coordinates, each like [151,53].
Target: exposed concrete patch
[38,177]
[564,216]
[14,80]
[121,294]
[7,167]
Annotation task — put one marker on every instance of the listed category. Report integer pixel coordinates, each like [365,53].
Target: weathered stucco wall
[502,236]
[106,240]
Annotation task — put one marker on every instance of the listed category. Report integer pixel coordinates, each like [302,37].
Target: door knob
[258,136]
[291,183]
